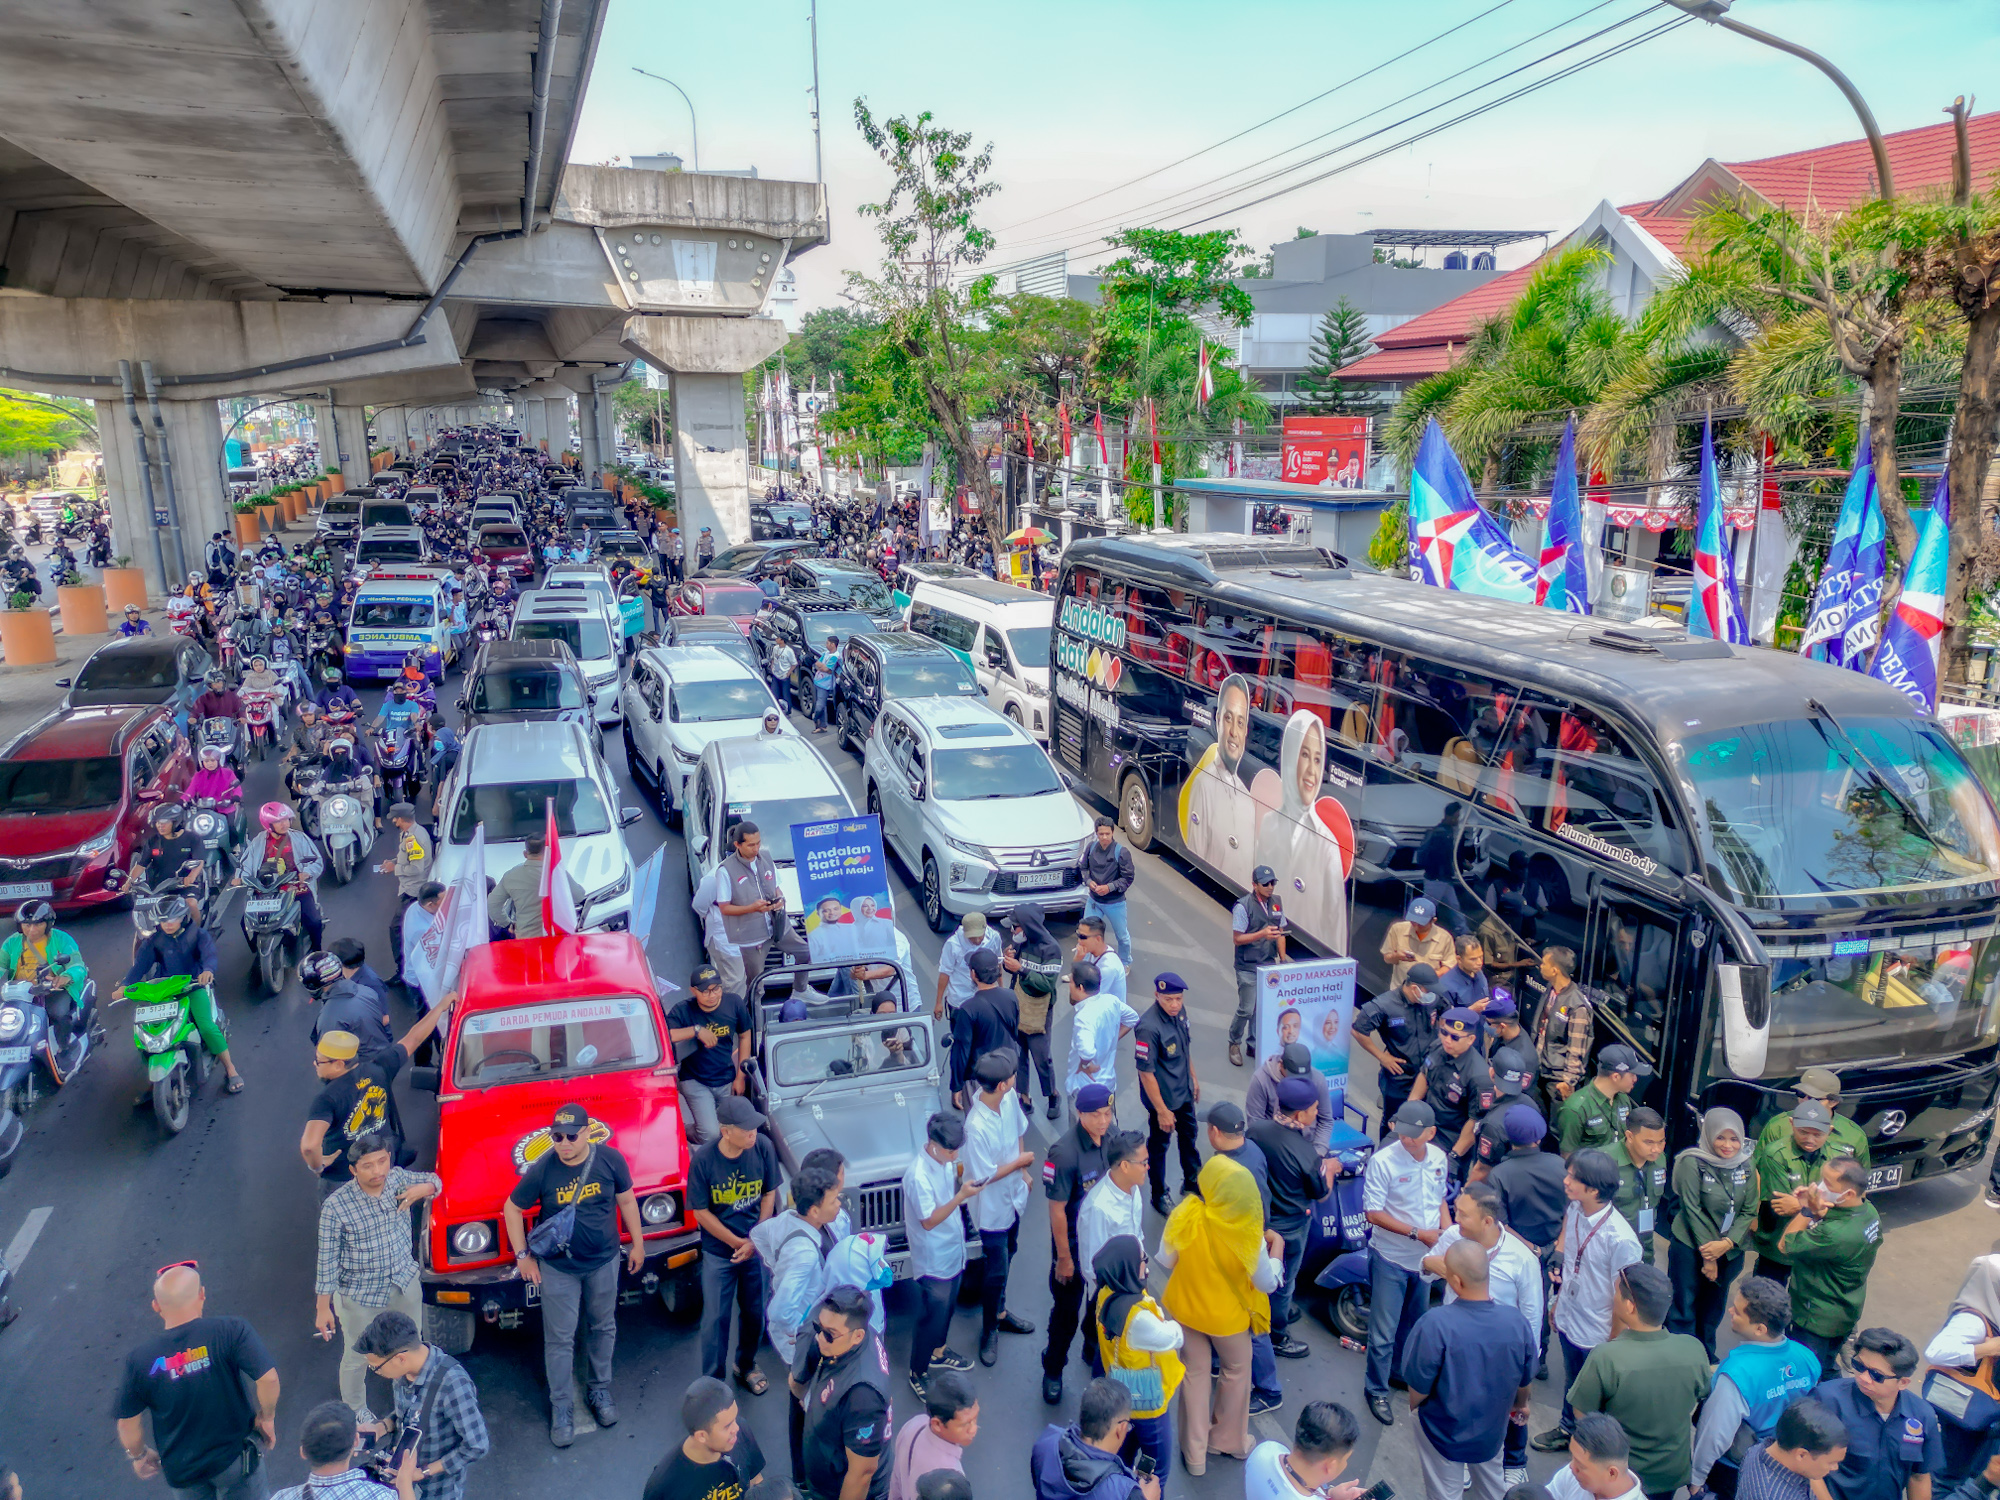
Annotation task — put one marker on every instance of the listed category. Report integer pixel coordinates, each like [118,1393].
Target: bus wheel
[1135,811]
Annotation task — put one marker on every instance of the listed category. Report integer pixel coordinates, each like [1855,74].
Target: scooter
[164,1032]
[226,654]
[397,756]
[26,1035]
[147,900]
[1336,1254]
[345,814]
[224,733]
[260,713]
[219,827]
[274,924]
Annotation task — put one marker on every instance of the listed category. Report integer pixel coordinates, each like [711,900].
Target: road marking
[24,1239]
[1267,1425]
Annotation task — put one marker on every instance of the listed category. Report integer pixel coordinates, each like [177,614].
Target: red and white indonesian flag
[435,959]
[1204,383]
[1103,449]
[558,897]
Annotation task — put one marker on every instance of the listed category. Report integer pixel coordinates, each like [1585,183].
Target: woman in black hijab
[1140,1345]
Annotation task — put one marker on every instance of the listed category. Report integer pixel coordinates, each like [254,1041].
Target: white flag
[459,927]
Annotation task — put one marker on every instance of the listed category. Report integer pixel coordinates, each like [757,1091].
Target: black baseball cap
[707,976]
[1228,1118]
[571,1117]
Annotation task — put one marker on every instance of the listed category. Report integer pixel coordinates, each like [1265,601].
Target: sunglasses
[1885,1376]
[175,1265]
[821,1331]
[565,1135]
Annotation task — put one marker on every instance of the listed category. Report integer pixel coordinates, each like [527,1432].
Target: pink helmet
[272,813]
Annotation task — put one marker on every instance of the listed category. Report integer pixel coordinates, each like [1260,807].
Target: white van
[397,610]
[1001,632]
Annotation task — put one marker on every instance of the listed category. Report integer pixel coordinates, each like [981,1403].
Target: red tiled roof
[1838,176]
[1403,364]
[1453,321]
[1671,233]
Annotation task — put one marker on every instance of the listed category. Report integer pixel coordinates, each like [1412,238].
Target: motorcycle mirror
[64,681]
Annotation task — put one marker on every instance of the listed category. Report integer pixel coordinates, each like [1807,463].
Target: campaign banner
[844,884]
[1330,451]
[1311,1003]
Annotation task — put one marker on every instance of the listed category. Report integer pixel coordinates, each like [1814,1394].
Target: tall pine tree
[1342,339]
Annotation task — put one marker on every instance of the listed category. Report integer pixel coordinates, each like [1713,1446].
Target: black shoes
[1290,1348]
[1380,1409]
[602,1409]
[989,1348]
[950,1359]
[562,1424]
[1011,1324]
[1051,1390]
[1162,1204]
[1055,1109]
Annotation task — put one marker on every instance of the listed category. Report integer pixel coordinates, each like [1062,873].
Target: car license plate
[13,1054]
[1881,1178]
[22,888]
[1038,880]
[152,1015]
[388,671]
[263,904]
[905,1268]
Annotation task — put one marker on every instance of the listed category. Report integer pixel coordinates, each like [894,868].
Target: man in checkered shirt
[365,1264]
[454,1431]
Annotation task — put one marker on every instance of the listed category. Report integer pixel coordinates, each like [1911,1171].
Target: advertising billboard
[1327,451]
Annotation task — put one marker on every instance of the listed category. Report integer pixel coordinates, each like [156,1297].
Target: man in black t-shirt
[1075,1163]
[579,1172]
[195,1379]
[355,1097]
[733,1187]
[1297,1186]
[719,1027]
[719,1459]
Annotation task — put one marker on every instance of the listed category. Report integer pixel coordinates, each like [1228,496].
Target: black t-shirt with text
[727,1023]
[678,1477]
[196,1380]
[593,1185]
[731,1188]
[358,1101]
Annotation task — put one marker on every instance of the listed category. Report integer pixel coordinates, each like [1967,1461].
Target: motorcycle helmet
[35,910]
[210,757]
[172,909]
[131,609]
[330,676]
[318,970]
[17,551]
[337,746]
[258,662]
[170,813]
[273,813]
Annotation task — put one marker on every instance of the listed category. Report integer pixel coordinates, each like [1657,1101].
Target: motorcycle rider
[218,700]
[166,854]
[400,710]
[35,945]
[341,764]
[288,853]
[216,783]
[336,691]
[181,945]
[260,678]
[181,610]
[134,622]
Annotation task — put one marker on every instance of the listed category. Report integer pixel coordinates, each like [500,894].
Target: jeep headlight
[660,1208]
[469,1240]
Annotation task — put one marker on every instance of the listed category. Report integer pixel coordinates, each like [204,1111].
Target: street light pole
[819,172]
[1714,12]
[694,129]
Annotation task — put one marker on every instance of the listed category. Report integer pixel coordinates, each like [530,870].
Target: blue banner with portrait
[1310,1003]
[844,885]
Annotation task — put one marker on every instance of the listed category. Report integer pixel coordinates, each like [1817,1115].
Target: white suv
[772,780]
[969,800]
[676,700]
[505,776]
[574,617]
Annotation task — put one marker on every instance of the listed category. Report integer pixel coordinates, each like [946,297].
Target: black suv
[860,585]
[752,560]
[780,521]
[894,664]
[805,621]
[526,682]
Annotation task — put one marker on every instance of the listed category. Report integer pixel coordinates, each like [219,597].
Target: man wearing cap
[954,961]
[1298,1185]
[1163,1054]
[1075,1163]
[1396,1028]
[1418,939]
[996,1153]
[1533,1192]
[1403,1195]
[1822,1084]
[579,1280]
[1489,1132]
[1260,1100]
[1503,1029]
[1641,1155]
[739,903]
[732,1188]
[985,1023]
[1257,926]
[1785,1165]
[717,1030]
[1595,1114]
[1228,1135]
[1456,1082]
[411,867]
[356,1097]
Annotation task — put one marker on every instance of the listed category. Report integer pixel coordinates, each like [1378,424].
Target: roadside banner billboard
[1327,451]
[844,884]
[1311,1003]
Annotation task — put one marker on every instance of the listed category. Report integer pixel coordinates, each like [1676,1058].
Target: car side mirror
[698,841]
[627,816]
[917,788]
[64,681]
[427,1079]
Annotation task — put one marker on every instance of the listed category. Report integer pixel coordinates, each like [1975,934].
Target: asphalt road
[100,1197]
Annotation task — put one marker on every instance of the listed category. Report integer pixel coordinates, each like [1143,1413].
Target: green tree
[1342,339]
[641,412]
[1151,294]
[831,346]
[31,424]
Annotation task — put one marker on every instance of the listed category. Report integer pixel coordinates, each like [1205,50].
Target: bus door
[1631,965]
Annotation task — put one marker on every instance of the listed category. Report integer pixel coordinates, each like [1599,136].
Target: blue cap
[1500,1004]
[1092,1097]
[1458,1021]
[1421,911]
[1170,983]
[1524,1124]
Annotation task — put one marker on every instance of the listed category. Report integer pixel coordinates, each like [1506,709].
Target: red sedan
[738,602]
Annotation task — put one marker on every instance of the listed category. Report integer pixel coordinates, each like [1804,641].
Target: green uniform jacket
[1847,1137]
[1587,1118]
[1640,1190]
[1651,1382]
[1830,1265]
[1781,1168]
[62,952]
[1715,1204]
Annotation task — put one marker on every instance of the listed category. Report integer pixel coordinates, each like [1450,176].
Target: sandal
[753,1381]
[234,1085]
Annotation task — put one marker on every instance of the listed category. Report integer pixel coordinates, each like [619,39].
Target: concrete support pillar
[392,428]
[534,429]
[607,429]
[323,425]
[132,530]
[353,460]
[705,359]
[587,438]
[197,496]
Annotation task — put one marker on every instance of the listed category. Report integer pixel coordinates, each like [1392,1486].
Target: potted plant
[27,634]
[246,520]
[335,482]
[83,611]
[123,585]
[271,509]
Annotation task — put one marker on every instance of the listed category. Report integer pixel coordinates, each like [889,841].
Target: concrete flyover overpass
[360,203]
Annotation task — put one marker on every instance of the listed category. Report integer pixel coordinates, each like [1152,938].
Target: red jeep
[543,1022]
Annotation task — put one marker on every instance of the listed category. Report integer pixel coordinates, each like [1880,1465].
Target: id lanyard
[1577,1265]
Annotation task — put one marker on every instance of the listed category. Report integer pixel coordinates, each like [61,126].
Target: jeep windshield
[556,1039]
[850,1053]
[863,590]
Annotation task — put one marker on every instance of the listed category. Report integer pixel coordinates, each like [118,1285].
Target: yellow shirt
[33,956]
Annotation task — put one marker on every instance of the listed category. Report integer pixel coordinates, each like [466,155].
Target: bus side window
[1595,781]
[1629,971]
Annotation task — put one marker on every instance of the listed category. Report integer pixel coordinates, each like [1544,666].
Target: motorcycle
[227,660]
[163,1030]
[260,714]
[225,734]
[219,827]
[185,621]
[274,924]
[396,755]
[323,648]
[345,814]
[147,899]
[25,1035]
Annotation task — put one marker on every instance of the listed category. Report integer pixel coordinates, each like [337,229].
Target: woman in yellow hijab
[1219,1294]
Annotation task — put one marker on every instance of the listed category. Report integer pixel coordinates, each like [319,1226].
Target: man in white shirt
[1099,1022]
[996,1155]
[1600,1461]
[1114,1205]
[955,962]
[1596,1244]
[1402,1194]
[934,1189]
[420,918]
[1090,944]
[1321,1444]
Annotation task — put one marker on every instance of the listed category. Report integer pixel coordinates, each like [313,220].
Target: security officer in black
[841,1378]
[1074,1164]
[1162,1050]
[1532,1199]
[1456,1082]
[1503,1029]
[1489,1135]
[1397,1029]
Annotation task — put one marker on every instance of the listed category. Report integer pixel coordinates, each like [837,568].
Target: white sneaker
[1512,1477]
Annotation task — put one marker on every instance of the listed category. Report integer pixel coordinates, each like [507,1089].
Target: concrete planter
[83,611]
[27,637]
[123,586]
[247,532]
[271,515]
[333,484]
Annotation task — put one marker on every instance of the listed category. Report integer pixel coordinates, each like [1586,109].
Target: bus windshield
[1882,1005]
[1803,807]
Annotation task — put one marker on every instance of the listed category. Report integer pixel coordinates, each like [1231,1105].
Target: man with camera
[435,1399]
[329,1442]
[1082,1462]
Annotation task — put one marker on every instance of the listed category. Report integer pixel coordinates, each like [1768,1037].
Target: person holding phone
[437,1405]
[1081,1462]
[329,1443]
[1308,1469]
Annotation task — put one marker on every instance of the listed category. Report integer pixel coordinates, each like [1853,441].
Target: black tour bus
[1763,863]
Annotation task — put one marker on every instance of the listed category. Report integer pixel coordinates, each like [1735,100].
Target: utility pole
[819,171]
[694,128]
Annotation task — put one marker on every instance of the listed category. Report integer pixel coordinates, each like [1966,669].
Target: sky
[1131,106]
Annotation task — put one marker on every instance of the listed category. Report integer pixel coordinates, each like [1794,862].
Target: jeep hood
[876,1134]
